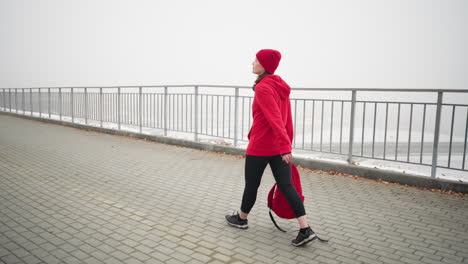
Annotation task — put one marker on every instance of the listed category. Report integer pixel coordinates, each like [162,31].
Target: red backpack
[277,201]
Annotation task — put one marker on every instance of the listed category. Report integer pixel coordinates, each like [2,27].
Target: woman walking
[270,140]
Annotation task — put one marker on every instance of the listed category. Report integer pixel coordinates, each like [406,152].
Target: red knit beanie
[269,59]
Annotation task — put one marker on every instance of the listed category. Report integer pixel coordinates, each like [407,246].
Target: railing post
[165,111]
[9,98]
[4,100]
[196,113]
[86,104]
[48,100]
[435,145]
[22,99]
[236,115]
[71,105]
[140,108]
[60,103]
[30,100]
[118,108]
[351,127]
[100,106]
[39,99]
[16,101]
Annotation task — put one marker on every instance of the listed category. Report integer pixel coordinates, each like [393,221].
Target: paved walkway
[72,196]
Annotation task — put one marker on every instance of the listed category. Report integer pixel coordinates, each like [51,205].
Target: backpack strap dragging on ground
[274,222]
[320,239]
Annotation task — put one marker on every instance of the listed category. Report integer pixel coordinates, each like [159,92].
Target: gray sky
[340,43]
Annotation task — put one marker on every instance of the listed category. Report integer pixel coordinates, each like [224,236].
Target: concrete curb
[370,173]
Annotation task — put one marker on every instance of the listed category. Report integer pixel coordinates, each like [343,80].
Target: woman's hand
[287,157]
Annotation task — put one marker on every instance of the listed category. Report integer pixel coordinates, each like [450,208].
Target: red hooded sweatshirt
[272,129]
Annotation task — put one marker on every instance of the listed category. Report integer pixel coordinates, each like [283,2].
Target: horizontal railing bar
[394,102]
[250,87]
[451,168]
[460,105]
[320,100]
[385,90]
[135,86]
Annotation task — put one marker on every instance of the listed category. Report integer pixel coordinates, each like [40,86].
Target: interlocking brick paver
[72,196]
[447,258]
[53,260]
[174,261]
[194,261]
[125,249]
[350,260]
[461,252]
[4,252]
[10,259]
[119,255]
[30,259]
[184,250]
[366,260]
[161,256]
[426,261]
[323,259]
[112,261]
[201,257]
[204,251]
[140,256]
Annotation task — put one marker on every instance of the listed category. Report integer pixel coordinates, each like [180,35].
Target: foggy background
[346,44]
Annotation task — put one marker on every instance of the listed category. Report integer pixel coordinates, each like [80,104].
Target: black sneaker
[236,221]
[304,238]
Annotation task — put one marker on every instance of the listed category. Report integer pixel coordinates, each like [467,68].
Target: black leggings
[254,167]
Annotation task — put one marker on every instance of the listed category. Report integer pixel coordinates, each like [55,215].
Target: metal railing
[336,121]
